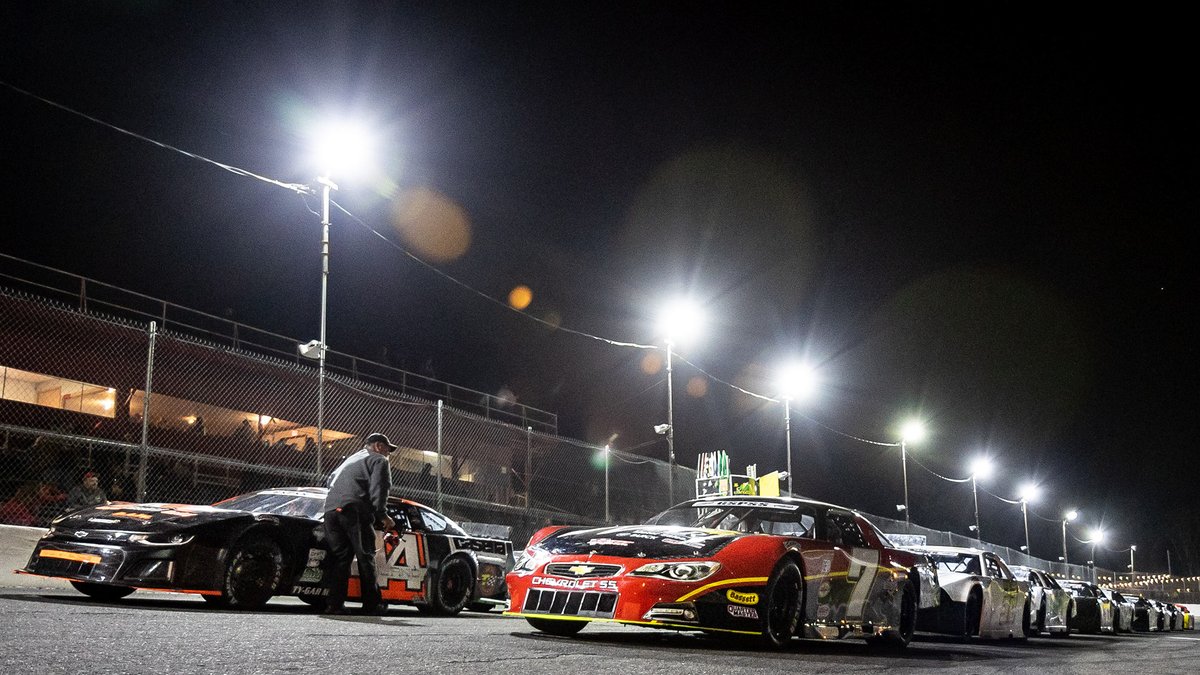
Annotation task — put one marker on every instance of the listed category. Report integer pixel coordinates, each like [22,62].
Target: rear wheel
[453,587]
[972,612]
[106,592]
[782,612]
[555,627]
[254,571]
[1026,622]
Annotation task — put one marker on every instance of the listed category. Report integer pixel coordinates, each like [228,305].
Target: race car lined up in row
[980,596]
[772,567]
[242,551]
[1049,602]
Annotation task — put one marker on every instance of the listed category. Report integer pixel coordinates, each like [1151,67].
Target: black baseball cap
[380,438]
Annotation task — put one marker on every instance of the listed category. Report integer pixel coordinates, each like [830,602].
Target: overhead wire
[951,480]
[304,191]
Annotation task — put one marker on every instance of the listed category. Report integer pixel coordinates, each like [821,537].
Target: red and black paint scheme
[242,551]
[772,567]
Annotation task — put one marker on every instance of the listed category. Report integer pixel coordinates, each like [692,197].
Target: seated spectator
[29,504]
[87,493]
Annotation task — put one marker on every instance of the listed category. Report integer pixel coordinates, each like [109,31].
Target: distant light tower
[913,431]
[980,468]
[1029,493]
[1067,517]
[681,319]
[1097,537]
[797,381]
[1132,574]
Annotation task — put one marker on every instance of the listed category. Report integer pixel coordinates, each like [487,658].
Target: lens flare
[697,387]
[652,363]
[520,297]
[434,227]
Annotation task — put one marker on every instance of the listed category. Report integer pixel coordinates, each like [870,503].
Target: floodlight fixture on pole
[796,381]
[1096,537]
[913,431]
[1028,493]
[1067,517]
[981,467]
[680,319]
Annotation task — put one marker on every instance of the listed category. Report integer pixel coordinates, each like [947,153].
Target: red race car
[773,567]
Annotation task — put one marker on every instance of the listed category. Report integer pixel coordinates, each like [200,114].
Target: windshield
[1022,574]
[278,503]
[1080,591]
[790,520]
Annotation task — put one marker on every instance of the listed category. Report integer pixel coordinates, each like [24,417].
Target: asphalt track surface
[60,631]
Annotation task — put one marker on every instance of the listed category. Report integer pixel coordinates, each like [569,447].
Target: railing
[87,294]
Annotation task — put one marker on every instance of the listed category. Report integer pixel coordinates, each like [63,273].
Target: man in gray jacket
[355,507]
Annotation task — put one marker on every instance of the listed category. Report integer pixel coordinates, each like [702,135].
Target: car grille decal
[571,603]
[581,570]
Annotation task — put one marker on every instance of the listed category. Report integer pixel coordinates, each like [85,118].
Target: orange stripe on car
[91,558]
[717,584]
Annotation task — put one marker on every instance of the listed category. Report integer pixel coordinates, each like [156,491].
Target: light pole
[796,380]
[1067,517]
[607,451]
[1028,494]
[1097,537]
[980,468]
[912,432]
[1132,574]
[680,319]
[339,147]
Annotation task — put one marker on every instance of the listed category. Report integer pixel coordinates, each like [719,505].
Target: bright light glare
[1097,536]
[981,468]
[797,381]
[341,148]
[1071,515]
[680,320]
[1029,492]
[913,431]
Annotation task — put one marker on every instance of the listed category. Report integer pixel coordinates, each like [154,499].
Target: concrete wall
[16,543]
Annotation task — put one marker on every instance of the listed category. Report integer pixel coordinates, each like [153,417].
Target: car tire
[452,587]
[972,613]
[898,639]
[1026,622]
[1041,620]
[105,592]
[557,627]
[782,600]
[481,607]
[252,574]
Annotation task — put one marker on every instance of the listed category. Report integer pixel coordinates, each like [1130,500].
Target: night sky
[975,214]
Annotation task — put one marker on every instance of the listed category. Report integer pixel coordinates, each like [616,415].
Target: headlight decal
[678,571]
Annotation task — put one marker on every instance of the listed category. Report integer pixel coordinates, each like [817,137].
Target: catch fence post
[145,453]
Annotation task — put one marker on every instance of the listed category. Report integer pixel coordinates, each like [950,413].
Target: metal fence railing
[163,415]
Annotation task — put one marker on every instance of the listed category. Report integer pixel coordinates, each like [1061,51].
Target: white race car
[1123,610]
[980,596]
[1049,602]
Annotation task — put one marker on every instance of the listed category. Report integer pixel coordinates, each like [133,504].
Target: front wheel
[556,627]
[452,588]
[782,612]
[254,571]
[972,613]
[902,635]
[105,592]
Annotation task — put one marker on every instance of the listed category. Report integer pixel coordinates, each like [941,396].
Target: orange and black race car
[772,567]
[242,551]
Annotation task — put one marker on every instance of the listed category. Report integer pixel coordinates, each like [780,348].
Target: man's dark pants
[350,535]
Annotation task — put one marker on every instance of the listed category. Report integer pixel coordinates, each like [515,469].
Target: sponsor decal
[478,545]
[608,542]
[742,598]
[135,516]
[823,590]
[745,504]
[575,584]
[81,533]
[823,612]
[309,590]
[580,570]
[741,612]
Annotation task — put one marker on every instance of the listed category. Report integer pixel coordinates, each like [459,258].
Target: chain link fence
[166,416]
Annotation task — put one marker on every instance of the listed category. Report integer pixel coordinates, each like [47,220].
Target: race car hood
[145,517]
[639,541]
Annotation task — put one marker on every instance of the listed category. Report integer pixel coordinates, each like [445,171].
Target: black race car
[242,551]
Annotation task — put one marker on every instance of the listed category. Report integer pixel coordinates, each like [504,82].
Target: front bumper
[103,564]
[722,604]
